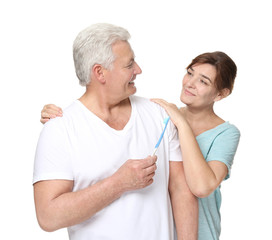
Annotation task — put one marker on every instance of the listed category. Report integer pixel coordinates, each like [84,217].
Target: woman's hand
[172,110]
[50,111]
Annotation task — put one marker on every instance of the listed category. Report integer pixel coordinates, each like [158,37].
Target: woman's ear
[98,72]
[222,94]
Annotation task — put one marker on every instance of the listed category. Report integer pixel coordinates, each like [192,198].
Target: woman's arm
[202,177]
[50,111]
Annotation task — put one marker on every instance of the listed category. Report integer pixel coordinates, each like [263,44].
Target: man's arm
[184,203]
[58,207]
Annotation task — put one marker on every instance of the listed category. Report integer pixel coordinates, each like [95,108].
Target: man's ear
[222,94]
[98,72]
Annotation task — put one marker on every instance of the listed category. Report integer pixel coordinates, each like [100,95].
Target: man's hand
[50,111]
[136,174]
[57,206]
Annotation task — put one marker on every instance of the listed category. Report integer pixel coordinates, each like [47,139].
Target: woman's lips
[188,93]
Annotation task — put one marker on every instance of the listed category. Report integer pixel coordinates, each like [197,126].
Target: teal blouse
[220,144]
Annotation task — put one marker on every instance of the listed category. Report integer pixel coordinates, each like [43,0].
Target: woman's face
[198,88]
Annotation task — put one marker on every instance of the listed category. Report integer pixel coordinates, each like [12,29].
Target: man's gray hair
[93,46]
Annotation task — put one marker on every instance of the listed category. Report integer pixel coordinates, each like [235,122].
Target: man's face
[120,79]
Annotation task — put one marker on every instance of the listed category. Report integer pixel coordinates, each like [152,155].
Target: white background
[36,68]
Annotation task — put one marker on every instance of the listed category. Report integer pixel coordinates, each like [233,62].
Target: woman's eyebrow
[204,76]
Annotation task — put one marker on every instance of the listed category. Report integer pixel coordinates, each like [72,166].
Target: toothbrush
[165,121]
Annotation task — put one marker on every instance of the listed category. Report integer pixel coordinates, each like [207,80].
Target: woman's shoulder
[231,128]
[222,129]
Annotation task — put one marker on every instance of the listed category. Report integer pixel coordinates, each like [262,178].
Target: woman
[208,143]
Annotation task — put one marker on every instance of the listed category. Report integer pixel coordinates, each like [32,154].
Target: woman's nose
[191,82]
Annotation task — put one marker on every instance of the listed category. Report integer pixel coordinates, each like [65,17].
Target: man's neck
[115,112]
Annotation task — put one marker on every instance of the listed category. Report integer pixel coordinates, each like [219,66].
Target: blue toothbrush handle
[159,141]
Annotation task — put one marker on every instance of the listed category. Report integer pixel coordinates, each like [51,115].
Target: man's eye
[130,65]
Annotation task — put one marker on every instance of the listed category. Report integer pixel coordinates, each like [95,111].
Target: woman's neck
[201,120]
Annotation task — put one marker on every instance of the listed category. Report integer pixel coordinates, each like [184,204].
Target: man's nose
[137,69]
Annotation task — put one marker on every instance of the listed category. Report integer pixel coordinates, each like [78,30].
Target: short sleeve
[53,158]
[174,145]
[224,147]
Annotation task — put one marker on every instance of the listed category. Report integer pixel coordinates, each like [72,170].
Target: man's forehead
[123,49]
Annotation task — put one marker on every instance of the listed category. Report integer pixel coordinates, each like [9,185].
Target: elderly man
[93,172]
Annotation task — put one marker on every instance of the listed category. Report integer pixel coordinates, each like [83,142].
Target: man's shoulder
[72,108]
[145,102]
[69,113]
[61,128]
[139,100]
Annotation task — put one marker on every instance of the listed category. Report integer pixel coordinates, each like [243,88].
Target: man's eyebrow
[131,60]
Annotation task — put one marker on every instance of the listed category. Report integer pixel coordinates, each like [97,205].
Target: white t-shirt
[81,147]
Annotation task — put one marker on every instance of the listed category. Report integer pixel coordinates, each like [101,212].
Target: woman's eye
[203,82]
